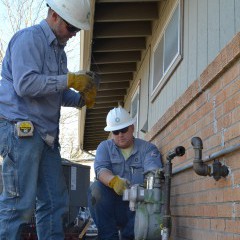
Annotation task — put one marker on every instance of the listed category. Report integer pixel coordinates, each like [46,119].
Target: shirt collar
[51,38]
[134,145]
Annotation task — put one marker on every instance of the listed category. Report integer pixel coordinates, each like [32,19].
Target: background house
[174,64]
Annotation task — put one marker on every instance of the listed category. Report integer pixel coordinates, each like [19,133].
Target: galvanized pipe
[178,151]
[208,158]
[199,166]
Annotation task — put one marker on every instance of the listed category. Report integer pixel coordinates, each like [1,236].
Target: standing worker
[35,84]
[120,162]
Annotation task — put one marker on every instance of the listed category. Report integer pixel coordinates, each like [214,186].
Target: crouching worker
[119,163]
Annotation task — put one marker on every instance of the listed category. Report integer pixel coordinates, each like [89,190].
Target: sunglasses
[123,130]
[71,28]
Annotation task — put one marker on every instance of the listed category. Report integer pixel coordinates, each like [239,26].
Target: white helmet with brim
[117,119]
[75,12]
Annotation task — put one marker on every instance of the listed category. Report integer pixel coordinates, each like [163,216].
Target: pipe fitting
[199,166]
[216,171]
[178,151]
[219,170]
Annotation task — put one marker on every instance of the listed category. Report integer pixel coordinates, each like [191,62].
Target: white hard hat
[75,12]
[118,118]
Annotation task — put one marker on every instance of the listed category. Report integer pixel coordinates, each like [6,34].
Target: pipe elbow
[201,169]
[198,165]
[178,151]
[197,143]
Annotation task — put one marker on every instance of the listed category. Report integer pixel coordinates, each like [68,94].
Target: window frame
[176,59]
[136,96]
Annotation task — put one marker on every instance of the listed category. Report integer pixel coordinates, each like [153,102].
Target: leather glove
[118,184]
[80,81]
[89,97]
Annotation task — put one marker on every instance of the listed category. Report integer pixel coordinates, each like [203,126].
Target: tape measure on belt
[24,128]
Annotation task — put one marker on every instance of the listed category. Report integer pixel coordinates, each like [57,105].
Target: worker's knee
[99,193]
[95,190]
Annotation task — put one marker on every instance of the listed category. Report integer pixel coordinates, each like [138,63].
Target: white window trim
[136,124]
[175,62]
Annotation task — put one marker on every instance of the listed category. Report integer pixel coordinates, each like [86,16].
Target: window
[135,111]
[168,51]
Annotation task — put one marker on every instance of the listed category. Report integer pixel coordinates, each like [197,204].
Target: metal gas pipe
[199,167]
[151,202]
[166,226]
[217,170]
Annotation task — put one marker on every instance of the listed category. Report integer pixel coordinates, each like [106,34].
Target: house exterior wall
[201,98]
[208,25]
[203,208]
[141,81]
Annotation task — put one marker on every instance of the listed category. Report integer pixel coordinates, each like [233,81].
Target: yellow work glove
[89,96]
[80,81]
[118,184]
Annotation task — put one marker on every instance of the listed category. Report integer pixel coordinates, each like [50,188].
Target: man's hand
[89,97]
[86,83]
[118,184]
[80,81]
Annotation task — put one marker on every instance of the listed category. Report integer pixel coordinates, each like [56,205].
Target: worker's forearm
[105,177]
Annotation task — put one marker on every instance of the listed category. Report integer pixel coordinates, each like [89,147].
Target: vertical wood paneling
[168,94]
[202,36]
[226,21]
[144,97]
[174,86]
[237,16]
[192,42]
[213,26]
[178,84]
[159,105]
[183,67]
[164,100]
[208,26]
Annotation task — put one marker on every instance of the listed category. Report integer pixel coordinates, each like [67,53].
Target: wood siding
[208,26]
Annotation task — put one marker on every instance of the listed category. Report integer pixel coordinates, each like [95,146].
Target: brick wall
[202,208]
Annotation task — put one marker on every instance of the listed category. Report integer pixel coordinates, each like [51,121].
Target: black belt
[11,121]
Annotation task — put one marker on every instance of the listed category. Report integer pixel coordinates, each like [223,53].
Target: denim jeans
[110,213]
[33,181]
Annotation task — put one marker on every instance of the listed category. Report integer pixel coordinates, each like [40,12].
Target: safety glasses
[123,130]
[71,28]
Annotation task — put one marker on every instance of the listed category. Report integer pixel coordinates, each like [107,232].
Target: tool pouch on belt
[24,128]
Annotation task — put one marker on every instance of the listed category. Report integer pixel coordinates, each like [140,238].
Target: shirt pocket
[117,165]
[51,65]
[136,170]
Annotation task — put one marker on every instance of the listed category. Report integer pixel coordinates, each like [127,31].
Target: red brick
[233,226]
[217,224]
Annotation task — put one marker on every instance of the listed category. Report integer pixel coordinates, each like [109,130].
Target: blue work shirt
[34,81]
[144,157]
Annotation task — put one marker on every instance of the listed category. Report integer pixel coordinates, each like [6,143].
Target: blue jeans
[110,213]
[32,181]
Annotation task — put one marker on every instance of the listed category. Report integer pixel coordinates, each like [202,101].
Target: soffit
[120,32]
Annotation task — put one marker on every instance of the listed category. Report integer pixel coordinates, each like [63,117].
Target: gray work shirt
[144,157]
[34,81]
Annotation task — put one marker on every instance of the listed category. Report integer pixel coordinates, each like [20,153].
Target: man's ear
[55,16]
